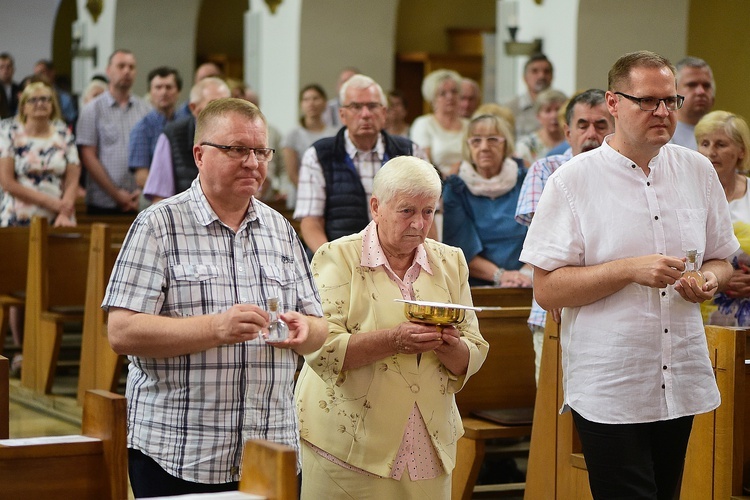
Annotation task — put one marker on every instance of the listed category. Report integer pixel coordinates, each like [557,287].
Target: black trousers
[634,461]
[148,479]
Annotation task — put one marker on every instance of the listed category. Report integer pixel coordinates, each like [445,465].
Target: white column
[272,52]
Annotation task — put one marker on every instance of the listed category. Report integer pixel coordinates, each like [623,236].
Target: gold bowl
[434,313]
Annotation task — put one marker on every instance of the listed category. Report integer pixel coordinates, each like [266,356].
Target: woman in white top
[724,138]
[441,133]
[550,133]
[312,101]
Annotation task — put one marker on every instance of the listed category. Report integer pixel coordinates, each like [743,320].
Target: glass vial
[691,268]
[277,330]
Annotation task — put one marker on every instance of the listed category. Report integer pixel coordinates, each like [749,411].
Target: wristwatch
[496,277]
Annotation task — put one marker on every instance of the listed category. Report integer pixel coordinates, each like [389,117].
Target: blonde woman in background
[724,138]
[39,171]
[441,132]
[550,133]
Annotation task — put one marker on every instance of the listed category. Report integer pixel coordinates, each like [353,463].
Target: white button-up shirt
[638,355]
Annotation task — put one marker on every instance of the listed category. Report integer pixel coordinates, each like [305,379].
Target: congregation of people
[387,210]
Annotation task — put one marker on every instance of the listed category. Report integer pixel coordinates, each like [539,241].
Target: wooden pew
[556,469]
[90,466]
[717,458]
[491,296]
[4,399]
[14,254]
[100,365]
[506,380]
[269,470]
[55,292]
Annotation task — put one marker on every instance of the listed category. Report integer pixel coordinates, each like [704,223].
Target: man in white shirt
[695,81]
[607,243]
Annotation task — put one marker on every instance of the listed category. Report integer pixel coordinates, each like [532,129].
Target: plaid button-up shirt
[191,413]
[531,191]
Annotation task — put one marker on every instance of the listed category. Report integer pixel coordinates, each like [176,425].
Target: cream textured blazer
[359,416]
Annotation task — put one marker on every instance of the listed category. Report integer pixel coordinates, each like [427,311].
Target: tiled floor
[29,422]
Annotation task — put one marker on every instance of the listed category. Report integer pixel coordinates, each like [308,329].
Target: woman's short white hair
[361,82]
[406,176]
[431,82]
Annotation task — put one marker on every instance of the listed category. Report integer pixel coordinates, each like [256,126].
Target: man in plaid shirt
[587,123]
[188,301]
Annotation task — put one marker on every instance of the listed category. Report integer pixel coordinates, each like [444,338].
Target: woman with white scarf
[480,203]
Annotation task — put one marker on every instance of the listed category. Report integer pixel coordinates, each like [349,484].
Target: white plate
[437,304]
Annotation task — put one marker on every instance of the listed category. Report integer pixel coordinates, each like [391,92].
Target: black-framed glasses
[243,152]
[672,103]
[358,106]
[41,99]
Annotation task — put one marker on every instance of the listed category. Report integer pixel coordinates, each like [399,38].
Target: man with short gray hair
[695,81]
[349,160]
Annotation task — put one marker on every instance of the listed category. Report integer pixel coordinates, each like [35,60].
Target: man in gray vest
[173,168]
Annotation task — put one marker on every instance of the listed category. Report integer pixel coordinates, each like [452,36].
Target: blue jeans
[634,461]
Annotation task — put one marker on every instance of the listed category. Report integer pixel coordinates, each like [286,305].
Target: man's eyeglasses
[492,140]
[42,99]
[243,152]
[672,103]
[358,106]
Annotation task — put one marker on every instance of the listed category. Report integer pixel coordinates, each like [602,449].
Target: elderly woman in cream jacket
[378,417]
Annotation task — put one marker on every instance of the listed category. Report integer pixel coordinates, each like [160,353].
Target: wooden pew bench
[716,465]
[55,292]
[269,471]
[14,254]
[506,380]
[490,296]
[92,465]
[100,365]
[4,399]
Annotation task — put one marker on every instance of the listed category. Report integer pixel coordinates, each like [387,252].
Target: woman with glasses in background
[724,138]
[39,165]
[39,172]
[440,133]
[480,204]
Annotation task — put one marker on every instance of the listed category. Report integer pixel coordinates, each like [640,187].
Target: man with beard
[103,135]
[695,81]
[587,122]
[537,74]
